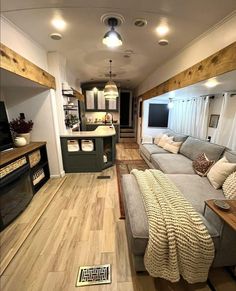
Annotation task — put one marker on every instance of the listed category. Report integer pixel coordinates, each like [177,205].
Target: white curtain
[190,117]
[225,133]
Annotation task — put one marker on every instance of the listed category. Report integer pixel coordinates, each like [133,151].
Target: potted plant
[21,127]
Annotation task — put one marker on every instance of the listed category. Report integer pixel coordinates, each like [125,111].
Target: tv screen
[158,115]
[5,133]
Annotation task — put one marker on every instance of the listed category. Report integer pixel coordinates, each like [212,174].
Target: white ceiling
[226,83]
[82,39]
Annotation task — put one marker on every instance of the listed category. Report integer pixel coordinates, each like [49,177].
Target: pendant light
[110,91]
[112,38]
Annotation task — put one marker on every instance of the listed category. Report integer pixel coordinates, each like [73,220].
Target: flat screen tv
[6,141]
[158,115]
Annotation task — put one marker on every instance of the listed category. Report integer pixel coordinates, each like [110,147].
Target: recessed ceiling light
[163,42]
[59,23]
[56,36]
[140,22]
[162,29]
[211,83]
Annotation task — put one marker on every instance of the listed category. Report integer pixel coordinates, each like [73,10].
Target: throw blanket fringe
[179,243]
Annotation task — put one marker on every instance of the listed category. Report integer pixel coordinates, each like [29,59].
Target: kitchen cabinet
[95,102]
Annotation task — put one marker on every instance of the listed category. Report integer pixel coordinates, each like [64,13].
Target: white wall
[57,66]
[14,38]
[214,108]
[36,103]
[146,130]
[214,40]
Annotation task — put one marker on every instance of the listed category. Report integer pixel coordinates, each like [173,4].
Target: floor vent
[103,177]
[94,275]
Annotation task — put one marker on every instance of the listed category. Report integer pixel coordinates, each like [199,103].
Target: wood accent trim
[219,63]
[79,95]
[8,156]
[15,63]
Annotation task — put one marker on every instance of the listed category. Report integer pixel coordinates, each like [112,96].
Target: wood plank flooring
[81,226]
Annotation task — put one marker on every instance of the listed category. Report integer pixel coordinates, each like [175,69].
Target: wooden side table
[227,216]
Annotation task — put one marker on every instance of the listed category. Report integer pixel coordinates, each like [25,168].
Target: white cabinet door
[90,100]
[101,102]
[112,104]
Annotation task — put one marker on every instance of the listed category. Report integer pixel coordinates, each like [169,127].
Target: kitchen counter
[100,131]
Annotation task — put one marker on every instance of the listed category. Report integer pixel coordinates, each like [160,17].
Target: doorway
[125,109]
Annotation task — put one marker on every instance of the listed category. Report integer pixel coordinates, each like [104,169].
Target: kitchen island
[89,151]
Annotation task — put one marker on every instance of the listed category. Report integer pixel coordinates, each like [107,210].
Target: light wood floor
[81,226]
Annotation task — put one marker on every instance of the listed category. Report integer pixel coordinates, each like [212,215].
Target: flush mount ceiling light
[59,23]
[211,83]
[112,38]
[110,90]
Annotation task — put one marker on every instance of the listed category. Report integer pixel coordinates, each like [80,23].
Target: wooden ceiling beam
[15,63]
[219,63]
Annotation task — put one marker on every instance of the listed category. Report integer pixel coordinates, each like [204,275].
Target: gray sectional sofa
[196,189]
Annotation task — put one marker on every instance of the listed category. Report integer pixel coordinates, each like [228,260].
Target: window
[158,115]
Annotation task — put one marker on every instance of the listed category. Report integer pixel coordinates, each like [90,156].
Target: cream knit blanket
[179,243]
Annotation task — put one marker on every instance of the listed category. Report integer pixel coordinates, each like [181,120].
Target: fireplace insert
[15,194]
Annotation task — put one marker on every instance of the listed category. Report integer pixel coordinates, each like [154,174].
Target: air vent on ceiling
[140,22]
[56,36]
[163,42]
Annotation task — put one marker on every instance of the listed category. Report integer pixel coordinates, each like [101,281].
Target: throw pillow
[173,147]
[202,165]
[157,138]
[147,139]
[220,171]
[229,186]
[164,139]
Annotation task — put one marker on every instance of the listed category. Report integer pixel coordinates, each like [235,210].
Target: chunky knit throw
[179,243]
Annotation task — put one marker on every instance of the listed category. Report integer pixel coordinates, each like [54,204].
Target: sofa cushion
[229,186]
[136,218]
[202,165]
[196,189]
[220,171]
[172,164]
[177,136]
[192,147]
[147,139]
[165,139]
[230,155]
[173,147]
[149,149]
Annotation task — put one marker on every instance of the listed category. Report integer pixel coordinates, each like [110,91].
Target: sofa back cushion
[192,147]
[230,155]
[178,137]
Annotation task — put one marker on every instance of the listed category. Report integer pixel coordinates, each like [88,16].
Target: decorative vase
[25,135]
[20,141]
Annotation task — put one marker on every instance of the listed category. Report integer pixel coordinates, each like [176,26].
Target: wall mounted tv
[5,133]
[158,115]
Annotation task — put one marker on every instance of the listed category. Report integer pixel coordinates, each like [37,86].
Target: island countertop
[100,131]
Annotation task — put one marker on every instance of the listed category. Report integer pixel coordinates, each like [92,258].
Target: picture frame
[214,119]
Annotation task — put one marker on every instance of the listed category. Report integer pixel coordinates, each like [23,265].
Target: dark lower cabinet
[77,161]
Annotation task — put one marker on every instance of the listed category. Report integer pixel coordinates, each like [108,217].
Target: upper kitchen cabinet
[90,104]
[95,101]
